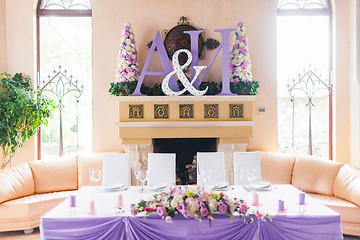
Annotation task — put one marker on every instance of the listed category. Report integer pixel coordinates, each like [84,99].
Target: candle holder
[302,202]
[72,204]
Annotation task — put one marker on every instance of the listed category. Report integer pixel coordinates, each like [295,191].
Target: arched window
[304,77]
[64,66]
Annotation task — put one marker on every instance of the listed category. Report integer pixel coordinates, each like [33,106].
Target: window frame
[319,12]
[52,13]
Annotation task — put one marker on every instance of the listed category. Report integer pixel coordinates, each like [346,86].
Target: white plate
[158,187]
[113,188]
[259,186]
[221,186]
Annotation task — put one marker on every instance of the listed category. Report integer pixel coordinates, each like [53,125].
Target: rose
[168,219]
[161,211]
[204,212]
[240,24]
[181,207]
[259,215]
[223,208]
[126,34]
[243,208]
[186,213]
[148,209]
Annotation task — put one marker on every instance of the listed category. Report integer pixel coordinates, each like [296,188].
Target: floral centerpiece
[127,73]
[240,64]
[190,202]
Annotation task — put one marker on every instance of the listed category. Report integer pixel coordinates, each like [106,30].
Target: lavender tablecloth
[318,222]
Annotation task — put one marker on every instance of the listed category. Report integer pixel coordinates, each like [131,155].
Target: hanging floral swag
[239,88]
[194,202]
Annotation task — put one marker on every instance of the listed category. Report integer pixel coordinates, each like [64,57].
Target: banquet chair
[247,168]
[161,168]
[210,168]
[116,169]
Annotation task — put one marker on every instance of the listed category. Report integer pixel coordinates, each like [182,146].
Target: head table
[315,222]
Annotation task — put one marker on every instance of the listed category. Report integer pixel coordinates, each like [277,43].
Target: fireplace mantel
[143,118]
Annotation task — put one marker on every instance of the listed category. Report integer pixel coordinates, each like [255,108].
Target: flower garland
[191,202]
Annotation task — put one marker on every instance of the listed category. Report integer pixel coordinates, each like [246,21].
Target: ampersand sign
[188,86]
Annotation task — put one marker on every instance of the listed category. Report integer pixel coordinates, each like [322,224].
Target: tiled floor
[19,235]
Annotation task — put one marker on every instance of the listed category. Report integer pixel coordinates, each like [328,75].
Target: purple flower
[133,61]
[128,57]
[181,207]
[135,52]
[126,34]
[204,212]
[243,208]
[240,24]
[129,69]
[132,41]
[161,211]
[168,219]
[186,213]
[236,46]
[127,27]
[242,50]
[122,55]
[245,42]
[241,38]
[122,46]
[123,74]
[244,65]
[236,80]
[223,208]
[233,69]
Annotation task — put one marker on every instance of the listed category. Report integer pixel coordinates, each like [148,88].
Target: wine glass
[143,178]
[137,169]
[204,174]
[96,177]
[250,175]
[91,176]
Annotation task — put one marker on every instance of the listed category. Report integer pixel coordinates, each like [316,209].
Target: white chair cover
[116,169]
[161,168]
[210,168]
[245,163]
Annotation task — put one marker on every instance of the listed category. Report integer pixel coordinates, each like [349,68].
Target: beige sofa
[31,189]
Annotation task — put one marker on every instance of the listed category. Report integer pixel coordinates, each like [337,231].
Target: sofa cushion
[86,161]
[25,212]
[277,167]
[16,182]
[350,213]
[316,175]
[347,184]
[54,175]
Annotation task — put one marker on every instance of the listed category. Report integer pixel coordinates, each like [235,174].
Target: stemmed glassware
[95,176]
[204,174]
[250,175]
[137,170]
[143,178]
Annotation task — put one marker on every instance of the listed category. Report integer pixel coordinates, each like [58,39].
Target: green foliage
[239,88]
[21,113]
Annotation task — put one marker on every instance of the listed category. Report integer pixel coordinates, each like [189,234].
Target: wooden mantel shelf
[177,124]
[224,98]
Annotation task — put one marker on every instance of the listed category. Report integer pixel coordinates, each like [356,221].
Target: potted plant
[22,111]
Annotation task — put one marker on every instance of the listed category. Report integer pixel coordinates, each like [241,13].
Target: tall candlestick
[92,210]
[255,199]
[301,198]
[72,201]
[120,201]
[281,206]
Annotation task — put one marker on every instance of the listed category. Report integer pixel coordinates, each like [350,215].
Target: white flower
[128,48]
[242,44]
[128,41]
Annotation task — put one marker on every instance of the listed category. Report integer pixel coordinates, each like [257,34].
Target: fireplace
[185,149]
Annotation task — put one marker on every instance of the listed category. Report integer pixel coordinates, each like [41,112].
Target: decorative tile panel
[211,110]
[186,110]
[161,111]
[236,110]
[136,111]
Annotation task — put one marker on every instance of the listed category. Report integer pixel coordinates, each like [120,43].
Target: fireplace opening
[185,149]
